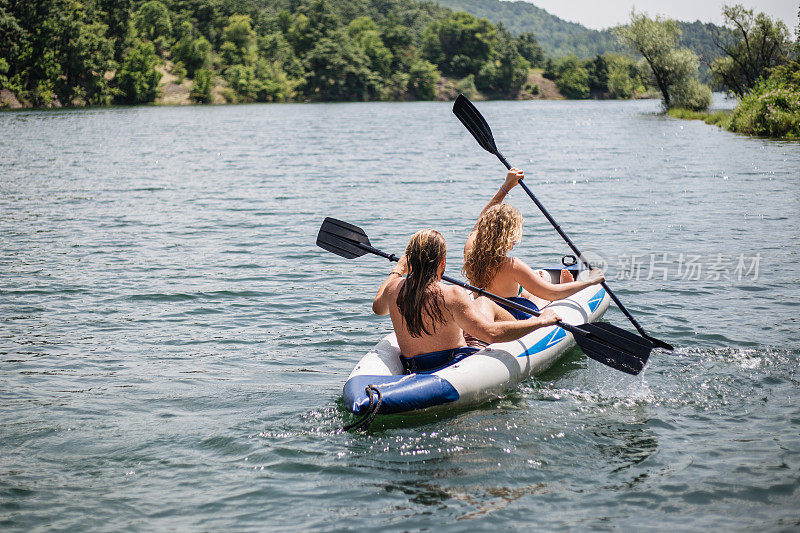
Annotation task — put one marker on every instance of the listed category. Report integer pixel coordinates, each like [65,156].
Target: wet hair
[495,233]
[420,294]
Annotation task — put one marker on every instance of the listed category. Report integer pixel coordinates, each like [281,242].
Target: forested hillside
[96,52]
[559,37]
[556,36]
[99,52]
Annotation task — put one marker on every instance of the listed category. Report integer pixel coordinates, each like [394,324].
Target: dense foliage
[772,107]
[95,52]
[605,76]
[68,52]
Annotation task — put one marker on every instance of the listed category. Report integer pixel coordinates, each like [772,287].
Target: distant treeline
[560,38]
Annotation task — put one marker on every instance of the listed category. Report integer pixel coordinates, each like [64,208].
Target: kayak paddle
[471,118]
[602,342]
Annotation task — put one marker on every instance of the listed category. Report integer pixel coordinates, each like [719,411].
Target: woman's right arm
[538,286]
[513,177]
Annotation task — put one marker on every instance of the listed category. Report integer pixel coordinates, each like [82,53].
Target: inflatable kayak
[378,381]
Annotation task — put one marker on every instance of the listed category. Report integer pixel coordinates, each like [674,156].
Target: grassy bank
[716,118]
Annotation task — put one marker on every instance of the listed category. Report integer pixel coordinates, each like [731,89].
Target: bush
[466,86]
[422,78]
[242,79]
[275,84]
[771,109]
[195,54]
[574,83]
[690,94]
[570,76]
[201,89]
[179,72]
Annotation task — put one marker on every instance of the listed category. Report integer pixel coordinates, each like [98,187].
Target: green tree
[399,40]
[138,78]
[570,76]
[622,77]
[337,70]
[314,20]
[85,63]
[656,40]
[364,33]
[505,73]
[275,47]
[459,44]
[242,79]
[756,44]
[152,21]
[530,49]
[239,41]
[598,71]
[276,84]
[194,53]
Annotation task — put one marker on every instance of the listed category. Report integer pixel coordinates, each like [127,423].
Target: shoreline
[174,92]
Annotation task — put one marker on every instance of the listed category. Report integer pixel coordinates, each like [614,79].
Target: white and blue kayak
[479,377]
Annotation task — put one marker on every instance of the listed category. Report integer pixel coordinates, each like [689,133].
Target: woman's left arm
[380,305]
[538,286]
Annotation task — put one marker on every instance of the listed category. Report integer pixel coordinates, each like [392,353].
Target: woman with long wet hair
[429,317]
[488,266]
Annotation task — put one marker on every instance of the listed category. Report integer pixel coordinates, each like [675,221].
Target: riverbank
[714,118]
[771,109]
[176,89]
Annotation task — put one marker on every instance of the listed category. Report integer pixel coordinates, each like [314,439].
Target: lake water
[173,344]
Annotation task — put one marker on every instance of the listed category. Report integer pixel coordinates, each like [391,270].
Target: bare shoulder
[453,294]
[393,286]
[512,264]
[470,242]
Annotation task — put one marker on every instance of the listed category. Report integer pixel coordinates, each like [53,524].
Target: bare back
[444,336]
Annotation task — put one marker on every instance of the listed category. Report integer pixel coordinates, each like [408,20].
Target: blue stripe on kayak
[594,302]
[547,341]
[399,393]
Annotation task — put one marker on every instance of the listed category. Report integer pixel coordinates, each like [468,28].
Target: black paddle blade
[342,238]
[471,118]
[660,344]
[614,347]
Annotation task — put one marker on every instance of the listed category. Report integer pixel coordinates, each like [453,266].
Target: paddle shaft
[574,248]
[391,257]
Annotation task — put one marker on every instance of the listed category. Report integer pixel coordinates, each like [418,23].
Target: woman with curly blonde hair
[487,265]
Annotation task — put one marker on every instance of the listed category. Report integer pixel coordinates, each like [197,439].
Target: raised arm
[470,319]
[538,286]
[512,179]
[380,305]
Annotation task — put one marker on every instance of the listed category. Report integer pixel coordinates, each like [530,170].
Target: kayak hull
[478,378]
